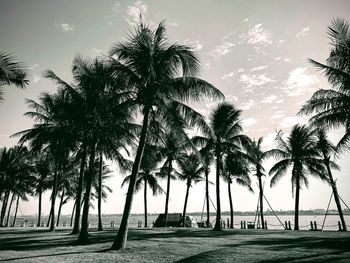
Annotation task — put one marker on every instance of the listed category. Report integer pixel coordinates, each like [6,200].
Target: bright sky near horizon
[255,52]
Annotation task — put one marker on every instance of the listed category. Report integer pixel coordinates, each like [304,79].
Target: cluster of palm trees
[149,81]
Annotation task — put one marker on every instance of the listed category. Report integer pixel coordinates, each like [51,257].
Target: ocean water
[331,222]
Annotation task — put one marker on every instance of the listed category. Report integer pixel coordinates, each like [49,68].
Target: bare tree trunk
[185,205]
[15,216]
[39,209]
[79,192]
[217,226]
[4,206]
[167,194]
[120,241]
[231,205]
[72,216]
[9,209]
[53,198]
[261,197]
[207,196]
[84,235]
[99,201]
[60,207]
[145,200]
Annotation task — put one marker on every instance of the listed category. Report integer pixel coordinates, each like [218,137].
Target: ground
[176,245]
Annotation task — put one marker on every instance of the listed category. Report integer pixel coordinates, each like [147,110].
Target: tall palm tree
[327,149]
[331,107]
[151,67]
[12,72]
[191,171]
[148,174]
[299,153]
[236,169]
[224,135]
[256,155]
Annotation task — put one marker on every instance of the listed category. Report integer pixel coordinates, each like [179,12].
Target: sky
[255,52]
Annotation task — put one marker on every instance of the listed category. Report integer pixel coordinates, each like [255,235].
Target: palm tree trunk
[15,216]
[48,220]
[39,209]
[84,235]
[145,200]
[3,209]
[336,196]
[53,198]
[167,194]
[296,210]
[72,216]
[79,192]
[207,195]
[217,226]
[261,203]
[231,205]
[120,241]
[185,205]
[99,201]
[60,207]
[9,210]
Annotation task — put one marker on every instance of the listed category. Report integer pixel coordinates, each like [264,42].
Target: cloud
[299,81]
[258,68]
[249,122]
[134,11]
[255,80]
[65,27]
[231,98]
[256,35]
[303,32]
[287,122]
[36,75]
[277,115]
[222,49]
[228,75]
[269,99]
[247,105]
[196,44]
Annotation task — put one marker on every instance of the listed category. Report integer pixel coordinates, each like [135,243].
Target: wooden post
[265,224]
[339,226]
[244,224]
[315,225]
[312,226]
[289,226]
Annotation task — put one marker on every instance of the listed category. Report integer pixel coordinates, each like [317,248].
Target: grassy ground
[176,245]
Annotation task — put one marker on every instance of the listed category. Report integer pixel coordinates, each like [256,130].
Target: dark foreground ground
[176,245]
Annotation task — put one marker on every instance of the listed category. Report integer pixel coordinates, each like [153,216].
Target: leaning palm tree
[327,149]
[331,107]
[11,72]
[191,171]
[148,174]
[223,136]
[256,155]
[236,169]
[151,67]
[299,153]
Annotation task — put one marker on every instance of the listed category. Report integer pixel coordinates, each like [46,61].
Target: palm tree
[236,168]
[11,72]
[331,107]
[326,149]
[256,156]
[151,66]
[224,135]
[298,152]
[148,174]
[191,171]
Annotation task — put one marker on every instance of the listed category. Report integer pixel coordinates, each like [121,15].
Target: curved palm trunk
[120,241]
[296,210]
[48,220]
[231,205]
[218,206]
[4,206]
[185,205]
[73,210]
[145,200]
[15,216]
[9,210]
[99,201]
[60,208]
[336,196]
[39,209]
[207,196]
[167,194]
[79,192]
[261,203]
[84,235]
[53,199]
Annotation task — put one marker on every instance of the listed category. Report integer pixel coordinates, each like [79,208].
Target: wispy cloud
[35,74]
[249,122]
[247,105]
[195,44]
[303,32]
[64,27]
[256,35]
[222,49]
[134,11]
[258,68]
[286,122]
[255,80]
[269,99]
[300,81]
[227,76]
